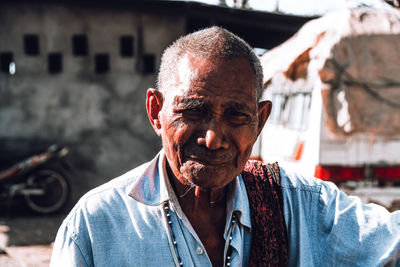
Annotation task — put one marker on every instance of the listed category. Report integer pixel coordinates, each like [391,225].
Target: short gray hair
[207,43]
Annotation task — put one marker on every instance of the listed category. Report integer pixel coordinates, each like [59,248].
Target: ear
[264,110]
[154,103]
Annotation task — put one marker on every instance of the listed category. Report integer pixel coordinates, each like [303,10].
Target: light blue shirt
[121,224]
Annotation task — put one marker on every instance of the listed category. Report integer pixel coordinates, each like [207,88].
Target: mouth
[208,158]
[208,161]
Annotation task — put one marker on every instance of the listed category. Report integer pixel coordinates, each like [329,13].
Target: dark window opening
[126,46]
[79,45]
[7,64]
[102,63]
[149,63]
[55,63]
[31,44]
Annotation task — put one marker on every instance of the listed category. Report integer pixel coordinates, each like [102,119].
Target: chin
[206,176]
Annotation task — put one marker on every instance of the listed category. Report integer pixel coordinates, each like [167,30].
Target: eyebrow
[196,103]
[181,102]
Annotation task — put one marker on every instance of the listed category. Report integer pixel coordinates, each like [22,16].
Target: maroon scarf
[269,244]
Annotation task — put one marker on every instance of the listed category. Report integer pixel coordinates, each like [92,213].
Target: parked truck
[335,89]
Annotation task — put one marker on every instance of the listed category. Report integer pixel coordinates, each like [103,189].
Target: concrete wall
[101,116]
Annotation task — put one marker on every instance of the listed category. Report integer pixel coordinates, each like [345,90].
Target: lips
[208,162]
[208,157]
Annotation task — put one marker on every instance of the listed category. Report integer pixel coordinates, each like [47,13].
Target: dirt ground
[26,238]
[32,256]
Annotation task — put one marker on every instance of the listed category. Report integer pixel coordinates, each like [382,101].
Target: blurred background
[73,77]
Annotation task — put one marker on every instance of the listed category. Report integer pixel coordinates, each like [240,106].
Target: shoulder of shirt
[295,181]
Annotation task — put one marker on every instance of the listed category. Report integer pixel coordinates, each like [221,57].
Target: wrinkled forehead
[192,72]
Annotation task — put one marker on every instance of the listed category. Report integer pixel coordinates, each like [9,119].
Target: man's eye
[237,117]
[192,114]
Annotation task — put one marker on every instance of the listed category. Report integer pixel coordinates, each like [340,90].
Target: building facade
[76,73]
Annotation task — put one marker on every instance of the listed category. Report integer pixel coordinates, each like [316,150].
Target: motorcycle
[38,179]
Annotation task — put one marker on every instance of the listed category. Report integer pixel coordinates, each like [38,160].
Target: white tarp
[354,58]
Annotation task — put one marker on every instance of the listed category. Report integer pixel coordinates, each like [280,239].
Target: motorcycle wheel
[56,191]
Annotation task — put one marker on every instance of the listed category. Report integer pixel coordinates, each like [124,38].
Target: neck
[195,195]
[206,211]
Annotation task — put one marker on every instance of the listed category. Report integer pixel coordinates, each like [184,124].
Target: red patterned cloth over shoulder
[269,245]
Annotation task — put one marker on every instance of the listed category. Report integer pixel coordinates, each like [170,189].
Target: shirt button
[199,251]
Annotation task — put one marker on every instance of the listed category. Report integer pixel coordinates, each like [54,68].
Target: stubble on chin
[206,176]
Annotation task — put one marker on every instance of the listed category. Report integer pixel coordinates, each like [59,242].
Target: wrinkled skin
[208,119]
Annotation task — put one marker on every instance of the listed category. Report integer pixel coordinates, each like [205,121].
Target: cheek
[244,142]
[245,138]
[177,133]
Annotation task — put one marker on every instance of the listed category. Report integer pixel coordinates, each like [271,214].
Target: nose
[214,137]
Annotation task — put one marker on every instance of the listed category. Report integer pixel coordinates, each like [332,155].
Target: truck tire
[56,191]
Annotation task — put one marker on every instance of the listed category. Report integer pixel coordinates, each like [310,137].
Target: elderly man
[200,202]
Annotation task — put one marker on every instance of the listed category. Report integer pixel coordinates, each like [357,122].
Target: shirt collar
[152,188]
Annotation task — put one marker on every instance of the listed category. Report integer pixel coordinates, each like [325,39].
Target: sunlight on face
[209,120]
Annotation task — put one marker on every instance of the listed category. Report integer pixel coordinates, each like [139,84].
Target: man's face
[209,120]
